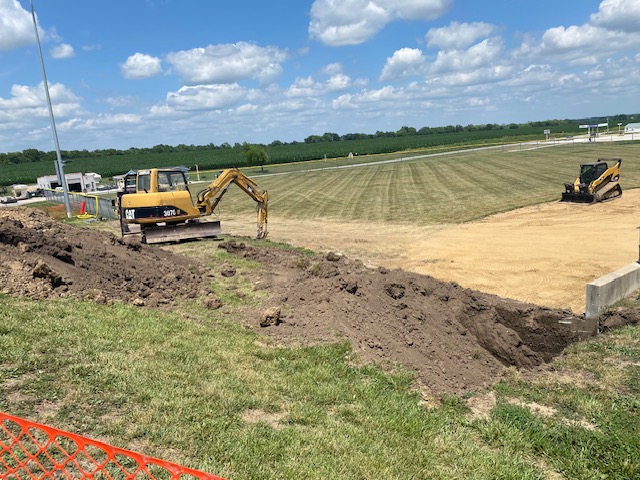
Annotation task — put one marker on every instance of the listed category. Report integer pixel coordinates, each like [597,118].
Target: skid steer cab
[157,204]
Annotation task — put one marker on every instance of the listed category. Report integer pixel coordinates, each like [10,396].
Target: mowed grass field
[435,190]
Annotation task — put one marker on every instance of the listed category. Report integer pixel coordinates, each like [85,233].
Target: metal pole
[59,165]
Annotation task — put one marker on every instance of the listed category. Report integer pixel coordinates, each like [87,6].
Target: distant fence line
[99,207]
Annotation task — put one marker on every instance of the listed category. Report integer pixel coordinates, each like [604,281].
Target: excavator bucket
[179,232]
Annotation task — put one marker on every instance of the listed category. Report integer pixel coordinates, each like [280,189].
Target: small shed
[632,128]
[77,182]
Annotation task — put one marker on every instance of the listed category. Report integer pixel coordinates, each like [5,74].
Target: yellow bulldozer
[597,182]
[157,204]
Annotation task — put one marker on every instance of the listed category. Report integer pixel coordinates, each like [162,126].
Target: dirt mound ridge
[43,258]
[456,339]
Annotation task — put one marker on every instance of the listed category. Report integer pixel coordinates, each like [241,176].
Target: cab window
[144,182]
[171,182]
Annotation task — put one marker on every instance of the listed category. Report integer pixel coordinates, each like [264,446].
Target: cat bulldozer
[597,182]
[157,204]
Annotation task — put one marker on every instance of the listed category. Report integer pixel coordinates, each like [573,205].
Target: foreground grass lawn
[195,388]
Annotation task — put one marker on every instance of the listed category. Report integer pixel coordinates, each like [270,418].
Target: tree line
[256,154]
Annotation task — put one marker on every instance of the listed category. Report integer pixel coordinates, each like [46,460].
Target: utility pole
[59,164]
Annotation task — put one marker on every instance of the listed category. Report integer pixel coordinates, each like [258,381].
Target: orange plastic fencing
[34,451]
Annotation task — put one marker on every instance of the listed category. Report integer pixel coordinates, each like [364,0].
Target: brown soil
[456,339]
[44,258]
[543,254]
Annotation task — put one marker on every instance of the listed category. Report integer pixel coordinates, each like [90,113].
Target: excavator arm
[209,198]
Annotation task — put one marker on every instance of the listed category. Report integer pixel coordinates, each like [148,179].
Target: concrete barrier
[605,291]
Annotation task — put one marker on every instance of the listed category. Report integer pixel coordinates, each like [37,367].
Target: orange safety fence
[34,451]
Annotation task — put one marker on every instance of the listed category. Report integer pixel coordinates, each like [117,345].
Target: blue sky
[139,73]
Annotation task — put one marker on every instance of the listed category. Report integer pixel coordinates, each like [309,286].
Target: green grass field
[193,387]
[454,188]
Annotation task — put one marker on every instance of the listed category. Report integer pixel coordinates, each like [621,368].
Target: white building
[632,128]
[77,182]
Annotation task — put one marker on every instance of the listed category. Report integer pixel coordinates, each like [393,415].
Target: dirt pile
[456,339]
[43,258]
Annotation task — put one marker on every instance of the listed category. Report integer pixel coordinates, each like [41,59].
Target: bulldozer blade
[578,197]
[179,232]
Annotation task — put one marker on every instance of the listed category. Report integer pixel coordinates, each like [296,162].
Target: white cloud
[24,96]
[332,69]
[381,94]
[303,87]
[27,102]
[62,51]
[206,97]
[104,120]
[270,73]
[479,55]
[16,25]
[416,9]
[227,63]
[343,102]
[478,102]
[121,101]
[338,83]
[458,35]
[560,39]
[352,22]
[478,76]
[613,29]
[307,87]
[620,15]
[533,74]
[247,109]
[403,63]
[139,66]
[91,48]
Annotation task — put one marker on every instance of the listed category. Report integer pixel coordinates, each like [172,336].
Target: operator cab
[592,171]
[169,180]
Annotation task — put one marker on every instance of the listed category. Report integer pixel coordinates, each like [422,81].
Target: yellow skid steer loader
[597,182]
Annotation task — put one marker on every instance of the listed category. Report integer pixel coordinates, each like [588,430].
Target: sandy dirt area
[545,254]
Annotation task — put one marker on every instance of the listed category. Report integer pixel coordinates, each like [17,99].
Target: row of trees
[256,154]
[407,131]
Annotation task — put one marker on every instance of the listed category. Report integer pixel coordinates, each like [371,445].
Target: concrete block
[607,290]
